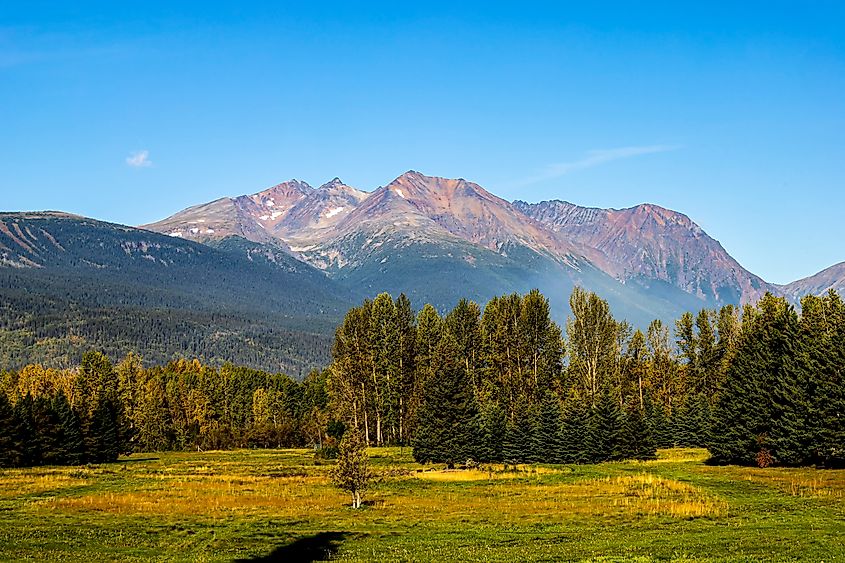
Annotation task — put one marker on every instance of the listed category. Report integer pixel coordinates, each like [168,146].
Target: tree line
[503,383]
[756,385]
[98,411]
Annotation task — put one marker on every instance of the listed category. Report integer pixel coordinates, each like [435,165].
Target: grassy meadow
[279,505]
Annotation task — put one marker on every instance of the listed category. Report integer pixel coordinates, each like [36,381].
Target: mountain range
[262,277]
[438,239]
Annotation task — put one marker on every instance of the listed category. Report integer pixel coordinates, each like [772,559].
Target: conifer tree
[28,441]
[10,446]
[72,446]
[575,427]
[604,437]
[493,430]
[48,431]
[637,439]
[822,340]
[546,446]
[519,436]
[658,423]
[447,420]
[751,418]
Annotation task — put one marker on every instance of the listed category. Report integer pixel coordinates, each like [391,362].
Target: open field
[278,505]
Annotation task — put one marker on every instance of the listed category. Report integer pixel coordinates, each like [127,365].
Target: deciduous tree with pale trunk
[352,471]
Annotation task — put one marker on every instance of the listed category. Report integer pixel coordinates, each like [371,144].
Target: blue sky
[734,115]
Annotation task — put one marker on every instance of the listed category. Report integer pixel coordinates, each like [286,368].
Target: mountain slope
[436,239]
[818,284]
[73,282]
[439,239]
[648,243]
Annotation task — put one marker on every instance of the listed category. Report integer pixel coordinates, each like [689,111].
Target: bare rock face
[832,278]
[650,242]
[645,252]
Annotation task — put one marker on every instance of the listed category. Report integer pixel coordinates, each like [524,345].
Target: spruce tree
[658,422]
[102,440]
[49,432]
[518,436]
[752,419]
[604,437]
[546,431]
[573,432]
[27,439]
[822,341]
[10,446]
[692,422]
[493,429]
[637,441]
[447,420]
[72,446]
[790,437]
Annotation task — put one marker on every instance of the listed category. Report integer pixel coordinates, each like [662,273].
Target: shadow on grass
[319,547]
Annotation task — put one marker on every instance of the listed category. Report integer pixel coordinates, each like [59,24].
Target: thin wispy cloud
[139,159]
[592,159]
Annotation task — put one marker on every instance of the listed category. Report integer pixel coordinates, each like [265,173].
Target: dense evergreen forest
[761,385]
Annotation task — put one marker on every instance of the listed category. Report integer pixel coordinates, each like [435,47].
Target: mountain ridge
[336,227]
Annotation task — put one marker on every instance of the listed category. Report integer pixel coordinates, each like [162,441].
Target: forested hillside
[69,284]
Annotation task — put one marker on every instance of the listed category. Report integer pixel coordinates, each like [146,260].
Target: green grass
[224,506]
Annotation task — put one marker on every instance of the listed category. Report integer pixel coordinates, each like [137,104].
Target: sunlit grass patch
[681,455]
[649,494]
[542,500]
[205,492]
[484,473]
[20,482]
[801,482]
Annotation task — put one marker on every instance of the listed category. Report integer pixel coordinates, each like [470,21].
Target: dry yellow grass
[15,483]
[649,494]
[514,501]
[485,473]
[798,482]
[680,455]
[212,494]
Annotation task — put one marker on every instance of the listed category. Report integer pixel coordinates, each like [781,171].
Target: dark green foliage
[101,436]
[545,439]
[574,431]
[518,445]
[763,407]
[493,430]
[604,435]
[28,446]
[658,423]
[690,422]
[637,439]
[72,446]
[447,426]
[10,444]
[48,433]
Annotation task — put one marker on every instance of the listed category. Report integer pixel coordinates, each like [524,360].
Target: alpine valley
[263,279]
